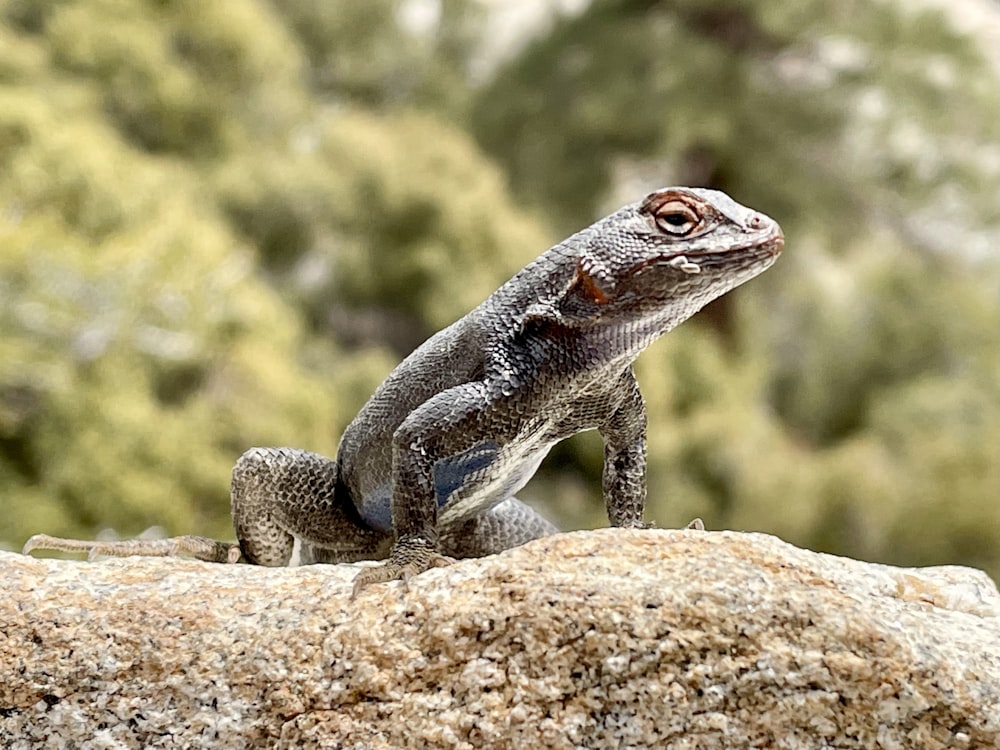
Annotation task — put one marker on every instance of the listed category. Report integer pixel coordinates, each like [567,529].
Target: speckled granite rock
[605,639]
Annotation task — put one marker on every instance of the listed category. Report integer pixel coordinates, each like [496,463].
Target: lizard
[429,468]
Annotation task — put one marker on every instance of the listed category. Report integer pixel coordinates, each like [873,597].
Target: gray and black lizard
[431,464]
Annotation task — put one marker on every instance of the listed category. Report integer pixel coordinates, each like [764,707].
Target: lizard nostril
[757,222]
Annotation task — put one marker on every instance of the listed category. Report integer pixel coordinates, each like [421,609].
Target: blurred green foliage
[222,223]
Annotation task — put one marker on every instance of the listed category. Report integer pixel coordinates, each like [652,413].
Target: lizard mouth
[762,250]
[769,247]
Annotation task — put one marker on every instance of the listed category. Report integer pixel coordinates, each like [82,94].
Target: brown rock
[604,639]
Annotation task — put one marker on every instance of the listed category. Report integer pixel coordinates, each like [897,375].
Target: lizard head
[663,258]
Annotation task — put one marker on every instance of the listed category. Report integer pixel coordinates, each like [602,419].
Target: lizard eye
[677,218]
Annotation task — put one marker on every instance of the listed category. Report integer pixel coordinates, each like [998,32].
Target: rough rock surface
[605,639]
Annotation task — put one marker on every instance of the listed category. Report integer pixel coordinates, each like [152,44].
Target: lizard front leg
[624,477]
[446,425]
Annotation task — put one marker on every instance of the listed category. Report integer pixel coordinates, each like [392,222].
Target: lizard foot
[696,525]
[409,557]
[198,547]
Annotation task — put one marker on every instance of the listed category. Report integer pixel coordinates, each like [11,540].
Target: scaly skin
[430,466]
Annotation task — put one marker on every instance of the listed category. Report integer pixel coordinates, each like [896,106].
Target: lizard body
[432,462]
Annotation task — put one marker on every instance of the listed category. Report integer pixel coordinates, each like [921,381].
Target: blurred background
[222,222]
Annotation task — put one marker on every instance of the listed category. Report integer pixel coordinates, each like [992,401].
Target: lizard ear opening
[586,286]
[577,302]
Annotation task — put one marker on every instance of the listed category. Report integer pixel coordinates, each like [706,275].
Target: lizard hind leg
[509,524]
[506,525]
[280,495]
[260,487]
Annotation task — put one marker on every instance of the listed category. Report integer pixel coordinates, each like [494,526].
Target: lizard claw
[408,558]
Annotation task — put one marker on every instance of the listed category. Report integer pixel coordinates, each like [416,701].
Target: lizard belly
[484,485]
[467,483]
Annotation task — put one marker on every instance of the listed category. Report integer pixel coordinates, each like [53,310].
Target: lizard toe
[404,563]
